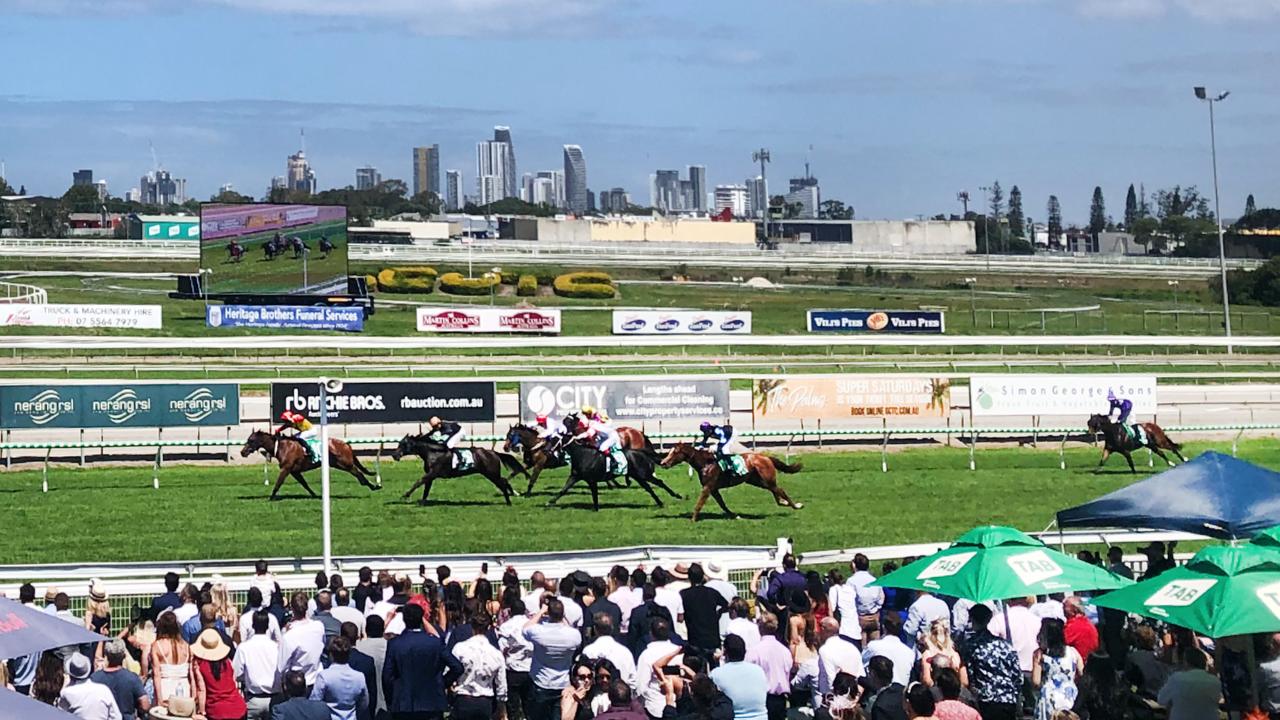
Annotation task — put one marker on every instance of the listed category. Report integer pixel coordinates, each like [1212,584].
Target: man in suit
[363,664]
[298,706]
[417,671]
[638,637]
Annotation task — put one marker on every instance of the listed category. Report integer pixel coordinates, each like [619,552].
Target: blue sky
[904,102]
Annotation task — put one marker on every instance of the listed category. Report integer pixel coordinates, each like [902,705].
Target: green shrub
[454,284]
[510,278]
[414,279]
[527,286]
[589,285]
[371,282]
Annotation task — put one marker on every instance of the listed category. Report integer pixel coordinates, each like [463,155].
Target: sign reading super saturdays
[101,406]
[302,317]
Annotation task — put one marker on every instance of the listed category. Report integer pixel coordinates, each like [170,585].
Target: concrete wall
[933,237]
[673,231]
[420,230]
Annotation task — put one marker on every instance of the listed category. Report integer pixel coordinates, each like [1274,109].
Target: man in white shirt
[620,594]
[1050,606]
[1191,694]
[648,685]
[868,600]
[892,647]
[483,685]
[837,654]
[538,586]
[740,623]
[246,620]
[927,608]
[263,580]
[605,646]
[718,580]
[572,610]
[343,611]
[1025,628]
[257,667]
[188,609]
[302,642]
[82,697]
[669,599]
[374,645]
[517,653]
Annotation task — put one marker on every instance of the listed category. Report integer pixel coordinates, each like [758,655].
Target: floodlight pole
[326,512]
[1217,210]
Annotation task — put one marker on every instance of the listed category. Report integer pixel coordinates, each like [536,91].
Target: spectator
[707,702]
[742,682]
[257,665]
[1191,694]
[170,661]
[670,599]
[323,614]
[718,580]
[890,645]
[740,623]
[1055,669]
[606,646]
[1049,606]
[577,700]
[223,609]
[573,613]
[482,689]
[303,641]
[787,580]
[297,705]
[926,608]
[842,703]
[639,578]
[638,636]
[1159,559]
[340,686]
[947,681]
[62,609]
[217,696]
[868,600]
[836,655]
[702,609]
[255,604]
[554,644]
[648,686]
[206,618]
[365,593]
[374,645]
[620,707]
[343,609]
[1101,697]
[50,677]
[920,702]
[517,653]
[263,580]
[97,609]
[363,664]
[940,651]
[188,608]
[776,661]
[994,673]
[131,698]
[620,594]
[23,670]
[1144,665]
[1025,629]
[417,671]
[1079,632]
[537,587]
[170,600]
[886,697]
[819,600]
[82,697]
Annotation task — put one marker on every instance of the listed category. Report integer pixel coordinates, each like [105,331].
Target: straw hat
[97,591]
[209,646]
[715,570]
[178,708]
[680,571]
[50,593]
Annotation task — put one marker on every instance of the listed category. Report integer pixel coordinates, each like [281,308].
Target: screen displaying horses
[267,248]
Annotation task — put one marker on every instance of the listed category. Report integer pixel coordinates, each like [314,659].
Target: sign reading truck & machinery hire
[680,322]
[628,400]
[1080,395]
[885,321]
[833,398]
[488,320]
[389,402]
[141,317]
[102,406]
[303,317]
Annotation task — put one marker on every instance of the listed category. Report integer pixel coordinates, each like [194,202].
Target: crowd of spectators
[638,644]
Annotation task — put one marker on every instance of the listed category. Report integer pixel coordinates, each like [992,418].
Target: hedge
[590,285]
[371,283]
[527,286]
[510,278]
[415,279]
[454,284]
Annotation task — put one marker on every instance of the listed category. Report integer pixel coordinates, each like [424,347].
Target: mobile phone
[671,670]
[422,570]
[484,568]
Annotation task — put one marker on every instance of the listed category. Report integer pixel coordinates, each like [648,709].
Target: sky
[897,104]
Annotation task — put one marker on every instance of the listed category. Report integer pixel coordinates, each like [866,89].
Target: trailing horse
[437,463]
[235,252]
[629,437]
[538,456]
[292,456]
[589,464]
[1117,439]
[762,472]
[326,247]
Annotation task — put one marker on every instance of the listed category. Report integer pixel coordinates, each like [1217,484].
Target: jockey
[1119,412]
[545,428]
[303,430]
[606,439]
[450,433]
[722,437]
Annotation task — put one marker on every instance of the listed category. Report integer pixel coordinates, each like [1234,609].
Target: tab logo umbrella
[1179,593]
[946,566]
[1034,567]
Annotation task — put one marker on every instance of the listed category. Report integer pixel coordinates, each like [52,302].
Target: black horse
[235,252]
[437,462]
[1117,439]
[298,246]
[589,464]
[326,246]
[273,248]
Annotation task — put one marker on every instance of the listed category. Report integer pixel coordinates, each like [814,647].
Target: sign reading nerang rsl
[103,406]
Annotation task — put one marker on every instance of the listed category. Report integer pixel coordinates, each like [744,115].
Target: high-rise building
[489,189]
[82,177]
[544,192]
[575,180]
[687,200]
[807,197]
[453,197]
[757,197]
[664,190]
[298,174]
[101,186]
[502,134]
[526,187]
[426,169]
[732,198]
[368,178]
[557,197]
[591,201]
[614,200]
[493,161]
[698,181]
[158,187]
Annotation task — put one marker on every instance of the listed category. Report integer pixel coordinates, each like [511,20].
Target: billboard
[488,320]
[104,406]
[317,317]
[389,402]
[877,321]
[273,249]
[628,400]
[1080,395]
[138,317]
[851,396]
[680,322]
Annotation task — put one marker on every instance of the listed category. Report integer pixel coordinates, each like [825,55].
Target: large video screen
[274,249]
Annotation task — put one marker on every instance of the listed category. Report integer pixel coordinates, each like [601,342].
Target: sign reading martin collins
[886,321]
[1079,395]
[138,317]
[680,322]
[488,320]
[625,400]
[102,406]
[389,402]
[303,317]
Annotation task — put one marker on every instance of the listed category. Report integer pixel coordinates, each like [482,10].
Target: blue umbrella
[26,631]
[13,705]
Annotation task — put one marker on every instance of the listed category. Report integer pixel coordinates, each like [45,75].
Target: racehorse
[326,247]
[235,251]
[437,463]
[538,456]
[292,456]
[298,246]
[1116,439]
[273,248]
[629,437]
[762,472]
[589,464]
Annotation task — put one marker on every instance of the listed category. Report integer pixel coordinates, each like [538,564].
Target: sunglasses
[584,676]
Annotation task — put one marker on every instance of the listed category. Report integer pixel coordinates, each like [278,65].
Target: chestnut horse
[1117,439]
[292,456]
[762,472]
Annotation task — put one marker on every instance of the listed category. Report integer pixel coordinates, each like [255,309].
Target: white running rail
[19,293]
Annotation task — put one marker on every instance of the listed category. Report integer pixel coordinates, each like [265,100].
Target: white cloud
[1213,10]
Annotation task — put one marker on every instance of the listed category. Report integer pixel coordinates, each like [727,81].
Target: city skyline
[1104,99]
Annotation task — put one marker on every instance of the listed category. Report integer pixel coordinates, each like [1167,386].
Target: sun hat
[178,707]
[209,646]
[680,571]
[97,591]
[715,570]
[50,593]
[79,667]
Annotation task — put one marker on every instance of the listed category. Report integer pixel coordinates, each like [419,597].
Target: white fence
[19,293]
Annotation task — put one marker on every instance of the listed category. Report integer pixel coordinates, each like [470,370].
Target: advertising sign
[851,396]
[680,322]
[389,402]
[138,317]
[1080,395]
[488,320]
[303,317]
[628,400]
[103,406]
[877,321]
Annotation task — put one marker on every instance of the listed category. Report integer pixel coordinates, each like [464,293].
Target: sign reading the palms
[851,396]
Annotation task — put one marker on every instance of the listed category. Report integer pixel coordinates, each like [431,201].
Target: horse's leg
[501,483]
[275,491]
[595,494]
[533,476]
[702,500]
[1129,456]
[644,483]
[658,481]
[720,501]
[420,483]
[427,482]
[568,483]
[780,496]
[297,474]
[1163,457]
[1106,453]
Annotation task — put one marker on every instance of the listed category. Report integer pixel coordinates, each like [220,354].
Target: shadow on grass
[437,502]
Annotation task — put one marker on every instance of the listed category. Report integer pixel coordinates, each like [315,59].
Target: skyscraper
[492,162]
[82,177]
[698,183]
[544,192]
[575,180]
[664,190]
[298,173]
[526,187]
[160,188]
[426,169]
[732,198]
[453,198]
[614,200]
[757,200]
[368,178]
[502,134]
[556,198]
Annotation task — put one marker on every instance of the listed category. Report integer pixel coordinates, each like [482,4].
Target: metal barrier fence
[20,293]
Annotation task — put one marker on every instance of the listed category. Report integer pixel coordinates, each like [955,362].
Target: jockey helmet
[588,410]
[541,420]
[706,426]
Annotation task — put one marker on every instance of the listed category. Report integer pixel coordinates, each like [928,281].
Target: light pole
[973,300]
[1217,209]
[986,223]
[327,385]
[762,156]
[1174,284]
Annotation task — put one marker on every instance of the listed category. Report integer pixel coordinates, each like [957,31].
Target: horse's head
[259,440]
[572,422]
[516,436]
[404,447]
[682,452]
[1098,423]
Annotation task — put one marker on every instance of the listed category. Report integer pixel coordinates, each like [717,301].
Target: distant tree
[1180,200]
[1130,208]
[997,200]
[1054,210]
[81,199]
[230,196]
[22,190]
[1250,207]
[834,210]
[1017,220]
[1145,231]
[1097,213]
[7,189]
[1144,208]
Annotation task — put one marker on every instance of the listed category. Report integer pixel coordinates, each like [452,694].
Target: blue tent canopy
[13,705]
[1214,495]
[24,631]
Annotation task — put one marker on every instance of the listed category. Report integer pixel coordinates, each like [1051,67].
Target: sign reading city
[300,317]
[628,400]
[488,320]
[1079,395]
[680,322]
[103,406]
[389,402]
[877,321]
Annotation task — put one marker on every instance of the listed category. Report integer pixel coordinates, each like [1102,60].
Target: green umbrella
[1222,591]
[1267,538]
[998,563]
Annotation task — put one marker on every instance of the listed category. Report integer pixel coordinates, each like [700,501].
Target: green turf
[210,512]
[255,273]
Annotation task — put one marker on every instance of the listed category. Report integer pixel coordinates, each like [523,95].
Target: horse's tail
[512,463]
[1161,438]
[785,467]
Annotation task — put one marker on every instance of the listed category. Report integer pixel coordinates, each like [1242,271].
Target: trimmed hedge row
[588,285]
[415,279]
[527,286]
[455,284]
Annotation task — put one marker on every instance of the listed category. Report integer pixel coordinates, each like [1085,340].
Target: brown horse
[293,458]
[762,472]
[1116,439]
[437,462]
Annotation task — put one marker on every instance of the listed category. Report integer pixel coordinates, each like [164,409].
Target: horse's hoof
[797,506]
[422,502]
[274,498]
[375,488]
